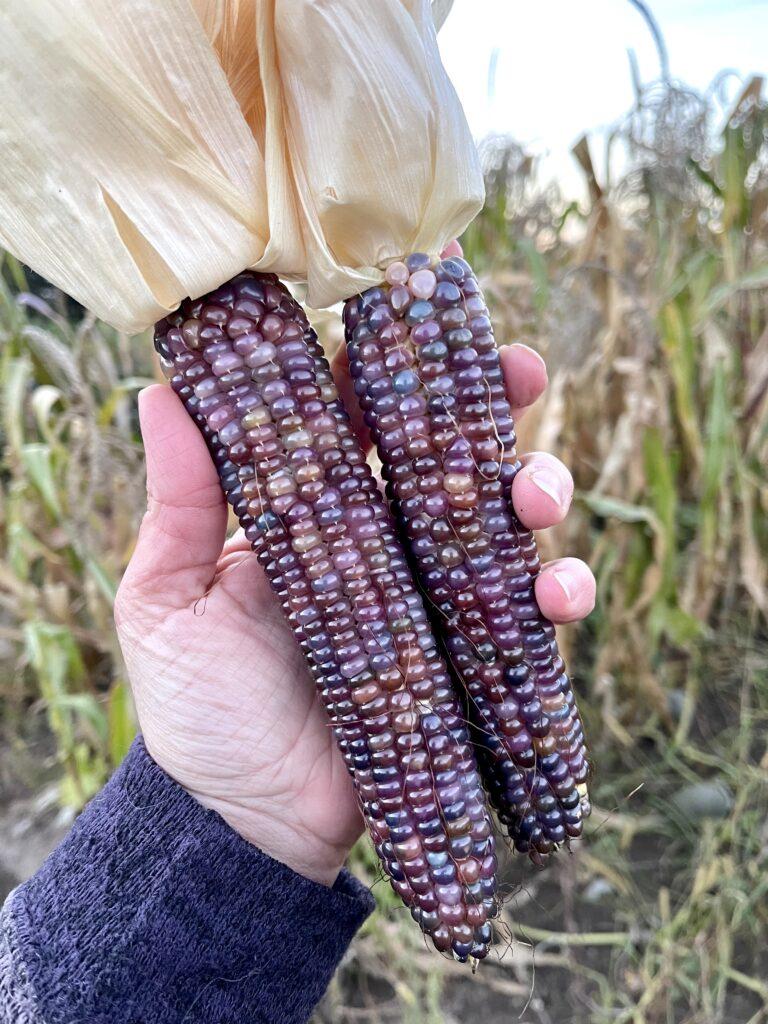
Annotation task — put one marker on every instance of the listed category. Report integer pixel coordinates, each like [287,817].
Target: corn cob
[251,373]
[427,373]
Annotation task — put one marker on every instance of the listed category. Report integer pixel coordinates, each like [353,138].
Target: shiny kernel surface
[449,486]
[291,467]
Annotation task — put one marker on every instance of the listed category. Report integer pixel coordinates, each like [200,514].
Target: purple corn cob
[251,373]
[427,373]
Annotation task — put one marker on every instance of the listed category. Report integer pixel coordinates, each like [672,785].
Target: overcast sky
[561,66]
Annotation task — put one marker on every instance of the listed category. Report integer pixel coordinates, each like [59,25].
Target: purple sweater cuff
[154,909]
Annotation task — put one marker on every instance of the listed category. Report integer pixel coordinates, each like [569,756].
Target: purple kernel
[446,294]
[433,351]
[419,312]
[449,894]
[480,325]
[330,581]
[219,417]
[230,433]
[405,382]
[261,355]
[417,261]
[272,326]
[441,385]
[207,405]
[246,402]
[379,318]
[452,318]
[399,299]
[246,343]
[436,504]
[330,498]
[284,406]
[362,333]
[398,359]
[273,390]
[454,269]
[412,405]
[379,389]
[425,332]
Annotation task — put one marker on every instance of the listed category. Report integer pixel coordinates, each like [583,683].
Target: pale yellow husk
[153,148]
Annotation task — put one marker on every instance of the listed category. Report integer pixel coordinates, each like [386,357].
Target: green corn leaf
[43,401]
[19,540]
[614,508]
[55,658]
[704,176]
[107,411]
[16,371]
[680,350]
[87,775]
[716,462]
[690,271]
[538,271]
[16,271]
[122,728]
[734,166]
[660,476]
[682,628]
[639,559]
[83,707]
[104,581]
[753,280]
[37,460]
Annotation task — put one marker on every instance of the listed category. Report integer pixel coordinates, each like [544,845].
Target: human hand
[224,700]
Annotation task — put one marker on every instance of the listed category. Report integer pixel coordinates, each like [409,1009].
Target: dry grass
[650,304]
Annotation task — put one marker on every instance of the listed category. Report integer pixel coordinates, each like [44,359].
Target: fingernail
[550,483]
[563,579]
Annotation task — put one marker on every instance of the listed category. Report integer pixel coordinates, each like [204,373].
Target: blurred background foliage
[649,302]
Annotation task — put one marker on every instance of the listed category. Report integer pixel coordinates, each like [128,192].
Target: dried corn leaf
[154,148]
[382,156]
[129,174]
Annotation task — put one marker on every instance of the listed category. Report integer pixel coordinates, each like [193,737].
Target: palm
[234,685]
[223,696]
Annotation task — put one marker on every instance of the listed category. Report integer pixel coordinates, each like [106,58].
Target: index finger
[525,376]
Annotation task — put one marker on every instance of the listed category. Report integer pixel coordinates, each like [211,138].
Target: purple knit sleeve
[154,909]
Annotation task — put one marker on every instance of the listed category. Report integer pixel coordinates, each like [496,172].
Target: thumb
[183,530]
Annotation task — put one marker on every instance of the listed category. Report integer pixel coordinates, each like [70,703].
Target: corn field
[650,304]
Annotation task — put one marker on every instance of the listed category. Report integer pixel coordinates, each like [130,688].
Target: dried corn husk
[154,148]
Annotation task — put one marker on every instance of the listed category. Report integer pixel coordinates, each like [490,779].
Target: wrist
[309,855]
[149,895]
[306,822]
